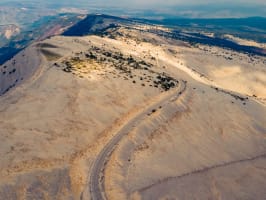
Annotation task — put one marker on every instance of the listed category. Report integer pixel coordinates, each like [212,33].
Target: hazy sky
[184,8]
[152,3]
[195,8]
[179,2]
[149,2]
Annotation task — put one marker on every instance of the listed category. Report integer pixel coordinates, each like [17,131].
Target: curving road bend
[97,171]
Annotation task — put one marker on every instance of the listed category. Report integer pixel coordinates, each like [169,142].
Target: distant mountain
[253,28]
[95,23]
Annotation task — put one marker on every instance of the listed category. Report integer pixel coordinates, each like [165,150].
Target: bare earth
[133,117]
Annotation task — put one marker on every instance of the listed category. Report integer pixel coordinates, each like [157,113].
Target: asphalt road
[97,171]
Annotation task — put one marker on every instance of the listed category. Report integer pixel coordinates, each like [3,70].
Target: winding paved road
[97,171]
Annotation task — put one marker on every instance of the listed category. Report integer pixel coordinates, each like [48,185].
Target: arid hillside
[131,114]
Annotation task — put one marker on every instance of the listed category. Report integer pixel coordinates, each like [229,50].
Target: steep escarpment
[19,68]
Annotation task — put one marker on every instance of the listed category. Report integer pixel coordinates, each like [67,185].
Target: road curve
[97,171]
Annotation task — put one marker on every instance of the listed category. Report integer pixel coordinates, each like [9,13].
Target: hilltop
[118,108]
